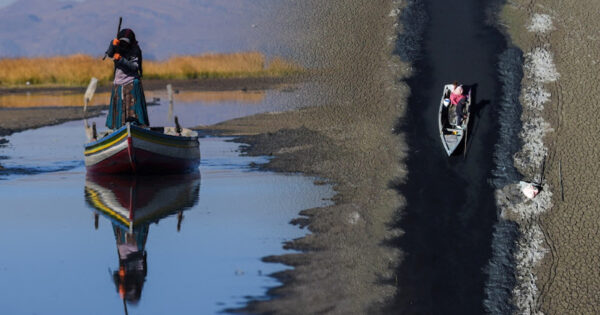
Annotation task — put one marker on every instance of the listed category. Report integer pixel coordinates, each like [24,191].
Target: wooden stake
[170,97]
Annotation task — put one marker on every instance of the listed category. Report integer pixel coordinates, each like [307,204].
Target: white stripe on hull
[96,158]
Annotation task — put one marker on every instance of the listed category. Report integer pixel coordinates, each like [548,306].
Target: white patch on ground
[539,69]
[540,23]
[536,96]
[541,66]
[530,252]
[532,208]
[353,217]
[533,151]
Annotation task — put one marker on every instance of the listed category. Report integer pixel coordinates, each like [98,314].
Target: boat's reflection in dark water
[132,204]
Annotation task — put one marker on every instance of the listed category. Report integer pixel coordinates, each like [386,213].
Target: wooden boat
[450,134]
[136,150]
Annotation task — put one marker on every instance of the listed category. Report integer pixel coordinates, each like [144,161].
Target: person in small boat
[454,86]
[458,99]
[127,100]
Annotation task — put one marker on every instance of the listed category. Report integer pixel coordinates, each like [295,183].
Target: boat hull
[135,150]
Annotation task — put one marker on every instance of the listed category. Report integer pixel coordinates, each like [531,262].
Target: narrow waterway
[450,203]
[192,244]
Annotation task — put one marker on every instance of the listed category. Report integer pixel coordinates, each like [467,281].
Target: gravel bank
[345,137]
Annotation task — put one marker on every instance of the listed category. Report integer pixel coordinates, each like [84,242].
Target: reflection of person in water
[133,268]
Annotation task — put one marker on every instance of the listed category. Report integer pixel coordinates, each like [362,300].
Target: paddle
[467,126]
[118,31]
[466,138]
[87,97]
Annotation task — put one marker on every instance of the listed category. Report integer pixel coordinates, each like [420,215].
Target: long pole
[467,125]
[466,138]
[118,31]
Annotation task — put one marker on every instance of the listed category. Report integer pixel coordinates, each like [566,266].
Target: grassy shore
[76,70]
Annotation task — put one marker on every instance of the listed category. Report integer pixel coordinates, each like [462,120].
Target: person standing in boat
[127,100]
[458,99]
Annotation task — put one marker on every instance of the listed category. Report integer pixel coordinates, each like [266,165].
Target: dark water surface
[451,206]
[75,244]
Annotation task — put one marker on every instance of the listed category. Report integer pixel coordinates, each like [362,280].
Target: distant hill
[163,28]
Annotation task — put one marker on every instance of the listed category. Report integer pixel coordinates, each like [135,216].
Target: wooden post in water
[170,98]
[179,219]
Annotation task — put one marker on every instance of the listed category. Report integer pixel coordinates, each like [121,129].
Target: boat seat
[452,115]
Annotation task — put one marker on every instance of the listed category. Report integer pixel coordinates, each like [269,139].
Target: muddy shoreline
[18,119]
[345,137]
[557,246]
[208,84]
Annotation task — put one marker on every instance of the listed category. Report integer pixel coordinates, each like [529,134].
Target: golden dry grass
[76,70]
[22,100]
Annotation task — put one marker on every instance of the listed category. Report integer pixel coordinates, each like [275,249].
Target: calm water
[70,244]
[451,209]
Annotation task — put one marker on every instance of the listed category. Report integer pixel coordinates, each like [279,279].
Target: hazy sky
[4,3]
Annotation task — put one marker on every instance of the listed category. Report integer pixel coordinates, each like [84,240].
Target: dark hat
[127,35]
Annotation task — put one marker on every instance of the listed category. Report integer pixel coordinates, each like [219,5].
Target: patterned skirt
[127,104]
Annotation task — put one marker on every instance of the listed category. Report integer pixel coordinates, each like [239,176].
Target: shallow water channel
[451,207]
[197,240]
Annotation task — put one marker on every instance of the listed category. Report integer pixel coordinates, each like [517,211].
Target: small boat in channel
[135,150]
[450,134]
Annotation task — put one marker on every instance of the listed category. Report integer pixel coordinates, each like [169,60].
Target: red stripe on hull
[143,162]
[151,163]
[116,164]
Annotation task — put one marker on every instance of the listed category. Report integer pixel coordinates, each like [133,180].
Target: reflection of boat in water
[132,200]
[132,204]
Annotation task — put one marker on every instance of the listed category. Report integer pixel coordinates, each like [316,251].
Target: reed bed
[76,70]
[34,100]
